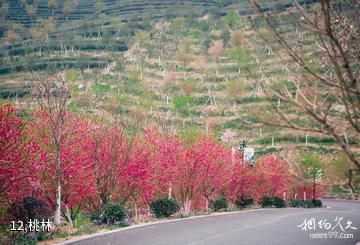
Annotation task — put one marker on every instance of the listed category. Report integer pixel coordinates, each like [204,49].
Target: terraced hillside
[39,34]
[185,65]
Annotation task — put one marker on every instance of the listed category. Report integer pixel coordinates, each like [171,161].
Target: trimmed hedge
[277,202]
[244,201]
[266,202]
[318,203]
[110,213]
[296,203]
[164,207]
[221,203]
[114,212]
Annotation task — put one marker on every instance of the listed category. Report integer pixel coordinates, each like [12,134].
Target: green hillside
[156,62]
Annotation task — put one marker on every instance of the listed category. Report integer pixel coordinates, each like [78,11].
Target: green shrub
[221,203]
[98,217]
[110,213]
[81,220]
[182,105]
[296,203]
[114,212]
[244,201]
[164,207]
[279,202]
[308,204]
[266,202]
[318,203]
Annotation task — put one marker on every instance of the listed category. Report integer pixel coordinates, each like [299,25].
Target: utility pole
[314,187]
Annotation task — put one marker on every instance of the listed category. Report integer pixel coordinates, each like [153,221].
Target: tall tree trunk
[187,205]
[57,217]
[68,217]
[170,191]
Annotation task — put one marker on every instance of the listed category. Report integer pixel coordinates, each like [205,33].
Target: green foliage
[97,217]
[190,134]
[110,213]
[146,101]
[339,168]
[251,99]
[201,25]
[82,220]
[231,19]
[112,105]
[309,204]
[68,7]
[182,105]
[185,45]
[267,151]
[235,88]
[11,90]
[52,4]
[279,84]
[296,203]
[4,9]
[312,165]
[201,100]
[141,37]
[264,32]
[164,207]
[317,203]
[339,189]
[233,124]
[240,55]
[72,75]
[225,36]
[133,76]
[133,82]
[178,26]
[100,6]
[221,203]
[114,212]
[101,89]
[267,202]
[244,201]
[279,202]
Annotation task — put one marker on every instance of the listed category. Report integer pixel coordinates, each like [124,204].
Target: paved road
[268,227]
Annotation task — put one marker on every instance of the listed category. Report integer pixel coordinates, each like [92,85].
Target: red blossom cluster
[102,163]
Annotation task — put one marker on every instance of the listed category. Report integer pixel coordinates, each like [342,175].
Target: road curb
[70,241]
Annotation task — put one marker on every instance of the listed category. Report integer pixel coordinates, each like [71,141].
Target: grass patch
[100,88]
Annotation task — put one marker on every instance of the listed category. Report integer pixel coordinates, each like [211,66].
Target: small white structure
[249,155]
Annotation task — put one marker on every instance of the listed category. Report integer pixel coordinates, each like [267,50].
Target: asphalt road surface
[261,227]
